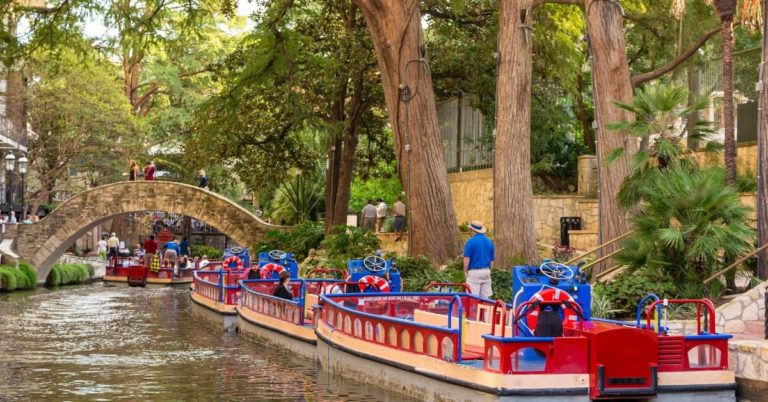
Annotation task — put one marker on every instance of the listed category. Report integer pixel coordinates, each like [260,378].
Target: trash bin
[568,223]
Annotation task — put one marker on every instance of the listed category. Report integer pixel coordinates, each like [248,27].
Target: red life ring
[377,282]
[268,269]
[231,259]
[550,295]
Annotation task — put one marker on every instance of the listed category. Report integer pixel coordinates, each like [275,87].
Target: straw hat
[477,226]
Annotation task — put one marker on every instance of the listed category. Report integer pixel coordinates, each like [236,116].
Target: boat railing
[210,284]
[704,350]
[257,296]
[382,318]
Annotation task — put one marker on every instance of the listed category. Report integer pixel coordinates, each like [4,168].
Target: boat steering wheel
[236,250]
[374,263]
[556,270]
[277,255]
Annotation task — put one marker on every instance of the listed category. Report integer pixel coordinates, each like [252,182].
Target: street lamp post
[23,171]
[10,160]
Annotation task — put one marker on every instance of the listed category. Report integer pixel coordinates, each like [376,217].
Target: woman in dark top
[282,290]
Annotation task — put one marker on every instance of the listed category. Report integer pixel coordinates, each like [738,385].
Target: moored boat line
[457,346]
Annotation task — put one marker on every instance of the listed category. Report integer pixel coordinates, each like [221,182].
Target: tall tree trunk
[334,162]
[355,112]
[395,27]
[611,82]
[762,156]
[726,30]
[514,232]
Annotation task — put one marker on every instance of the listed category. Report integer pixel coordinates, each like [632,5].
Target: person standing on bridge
[149,171]
[133,171]
[203,180]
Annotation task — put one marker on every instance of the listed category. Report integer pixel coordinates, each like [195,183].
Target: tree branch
[671,65]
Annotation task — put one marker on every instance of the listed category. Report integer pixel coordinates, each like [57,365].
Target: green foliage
[418,272]
[68,274]
[602,305]
[199,250]
[25,277]
[628,287]
[501,284]
[304,236]
[30,274]
[349,242]
[388,189]
[298,198]
[746,183]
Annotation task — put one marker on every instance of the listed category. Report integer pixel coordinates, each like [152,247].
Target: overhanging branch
[672,64]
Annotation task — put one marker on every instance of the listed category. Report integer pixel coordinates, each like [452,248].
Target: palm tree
[658,110]
[726,10]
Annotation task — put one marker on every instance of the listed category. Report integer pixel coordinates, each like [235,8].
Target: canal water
[99,342]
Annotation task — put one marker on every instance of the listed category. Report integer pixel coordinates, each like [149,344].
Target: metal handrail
[601,259]
[736,264]
[594,250]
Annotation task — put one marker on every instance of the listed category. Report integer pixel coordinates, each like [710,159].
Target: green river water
[100,342]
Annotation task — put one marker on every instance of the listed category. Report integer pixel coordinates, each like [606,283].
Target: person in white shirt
[102,247]
[381,214]
[13,217]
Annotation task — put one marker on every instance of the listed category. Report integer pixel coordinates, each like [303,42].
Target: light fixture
[9,161]
[23,164]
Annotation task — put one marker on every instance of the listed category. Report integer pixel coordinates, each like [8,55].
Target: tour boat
[545,347]
[134,273]
[219,290]
[290,323]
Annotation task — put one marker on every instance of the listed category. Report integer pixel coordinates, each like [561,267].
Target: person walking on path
[114,245]
[133,172]
[102,248]
[381,214]
[149,171]
[150,250]
[369,216]
[398,209]
[479,254]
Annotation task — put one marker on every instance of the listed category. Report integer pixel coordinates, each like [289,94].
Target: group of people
[375,215]
[149,171]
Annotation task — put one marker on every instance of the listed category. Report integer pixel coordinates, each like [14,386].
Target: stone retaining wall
[99,267]
[749,359]
[744,316]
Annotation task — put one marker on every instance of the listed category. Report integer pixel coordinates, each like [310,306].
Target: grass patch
[25,277]
[68,274]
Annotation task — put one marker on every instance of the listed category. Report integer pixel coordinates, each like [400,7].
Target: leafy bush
[350,242]
[418,272]
[300,240]
[501,284]
[602,305]
[746,183]
[199,250]
[68,274]
[628,287]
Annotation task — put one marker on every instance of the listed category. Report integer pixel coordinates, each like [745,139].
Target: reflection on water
[98,342]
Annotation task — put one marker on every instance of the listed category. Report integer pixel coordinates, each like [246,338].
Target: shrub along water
[25,277]
[68,274]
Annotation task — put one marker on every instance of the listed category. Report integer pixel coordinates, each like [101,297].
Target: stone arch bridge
[44,242]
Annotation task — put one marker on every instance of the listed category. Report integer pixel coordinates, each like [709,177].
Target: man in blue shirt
[479,254]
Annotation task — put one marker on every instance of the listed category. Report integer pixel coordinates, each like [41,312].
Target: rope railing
[736,263]
[598,248]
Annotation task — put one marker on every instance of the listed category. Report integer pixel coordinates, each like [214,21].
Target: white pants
[479,281]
